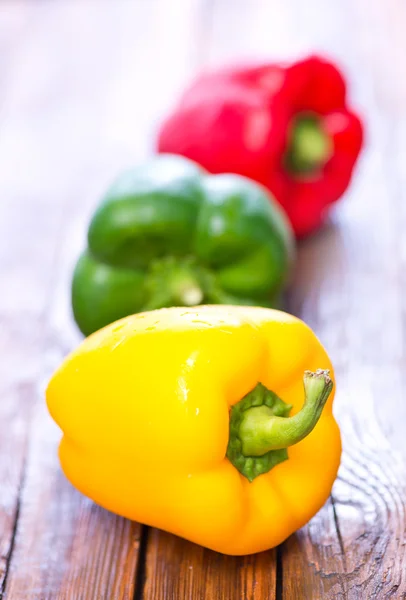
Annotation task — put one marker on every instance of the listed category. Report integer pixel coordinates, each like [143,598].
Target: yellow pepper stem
[261,429]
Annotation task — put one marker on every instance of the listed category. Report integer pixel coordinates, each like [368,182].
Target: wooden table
[82,86]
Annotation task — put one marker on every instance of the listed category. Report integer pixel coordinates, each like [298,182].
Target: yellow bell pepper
[179,418]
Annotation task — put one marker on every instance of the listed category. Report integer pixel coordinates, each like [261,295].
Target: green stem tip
[310,146]
[174,282]
[261,430]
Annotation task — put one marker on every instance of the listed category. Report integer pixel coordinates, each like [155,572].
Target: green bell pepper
[169,234]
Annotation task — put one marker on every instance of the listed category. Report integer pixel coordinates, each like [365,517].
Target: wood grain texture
[179,569]
[23,294]
[83,87]
[80,106]
[348,287]
[176,568]
[356,307]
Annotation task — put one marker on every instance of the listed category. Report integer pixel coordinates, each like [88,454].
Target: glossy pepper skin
[287,127]
[145,406]
[168,234]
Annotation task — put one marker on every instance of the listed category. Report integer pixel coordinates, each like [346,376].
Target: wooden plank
[353,298]
[22,298]
[346,276]
[176,568]
[179,569]
[237,30]
[81,100]
[196,573]
[243,31]
[254,29]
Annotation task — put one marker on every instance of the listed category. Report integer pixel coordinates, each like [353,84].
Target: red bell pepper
[287,127]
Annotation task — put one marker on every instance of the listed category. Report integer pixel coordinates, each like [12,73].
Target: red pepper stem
[261,431]
[310,147]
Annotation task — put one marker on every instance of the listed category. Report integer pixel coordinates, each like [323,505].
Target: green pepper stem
[174,282]
[260,431]
[180,293]
[186,291]
[310,147]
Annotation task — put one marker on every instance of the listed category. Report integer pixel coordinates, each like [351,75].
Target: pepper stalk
[261,430]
